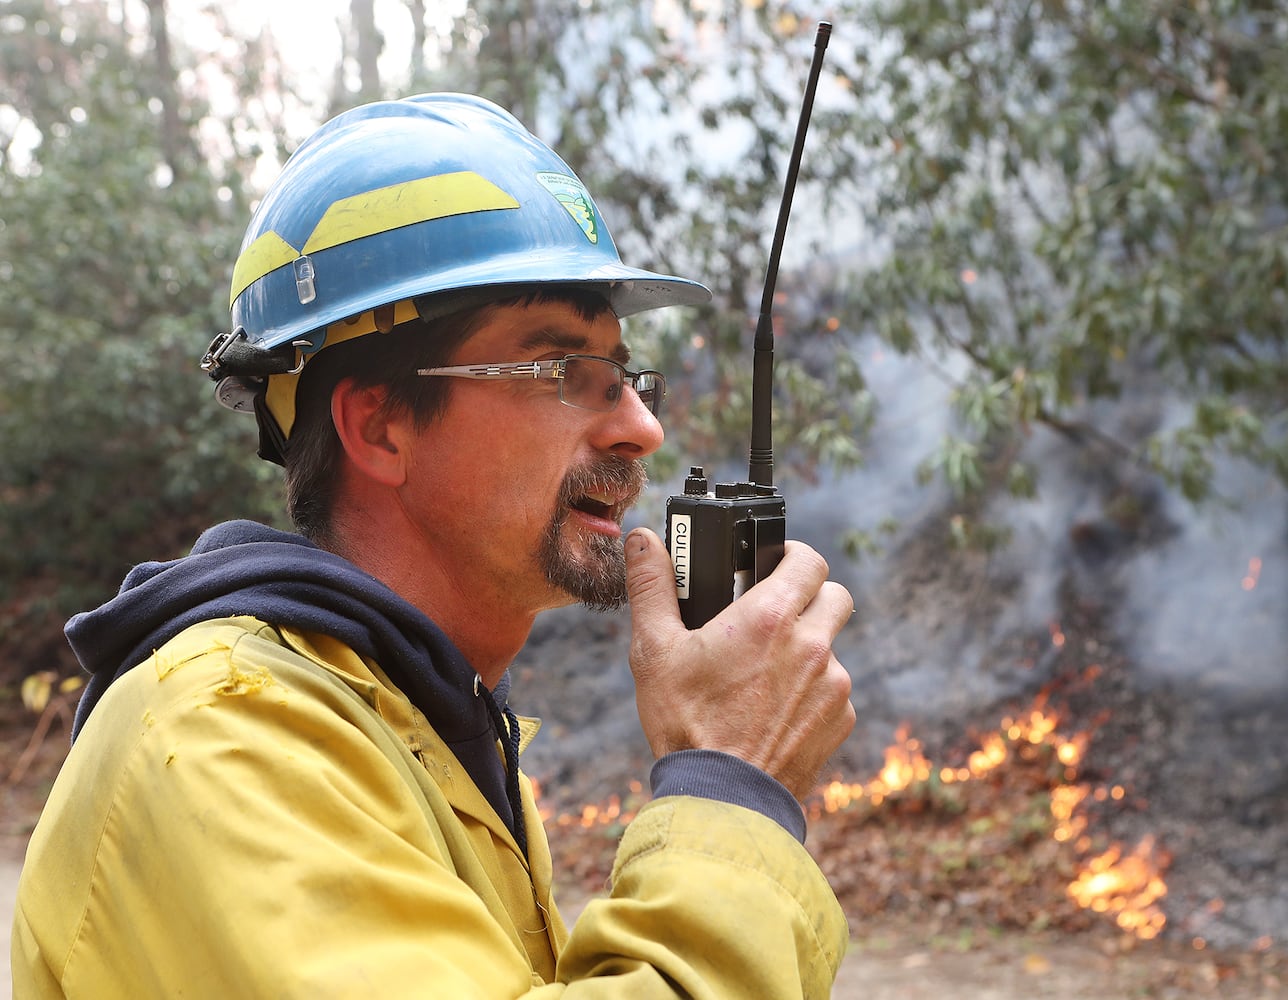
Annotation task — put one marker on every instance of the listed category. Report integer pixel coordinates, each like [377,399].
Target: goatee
[593,572]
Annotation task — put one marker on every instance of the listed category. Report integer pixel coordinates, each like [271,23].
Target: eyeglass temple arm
[515,369]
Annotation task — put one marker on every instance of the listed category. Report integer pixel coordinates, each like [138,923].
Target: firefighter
[295,769]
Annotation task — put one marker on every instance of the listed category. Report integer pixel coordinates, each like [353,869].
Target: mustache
[621,478]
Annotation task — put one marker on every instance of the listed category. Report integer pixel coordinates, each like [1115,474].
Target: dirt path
[1020,967]
[9,869]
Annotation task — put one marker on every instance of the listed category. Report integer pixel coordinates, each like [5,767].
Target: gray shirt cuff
[710,774]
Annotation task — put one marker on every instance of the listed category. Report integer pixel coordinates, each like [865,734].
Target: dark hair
[389,360]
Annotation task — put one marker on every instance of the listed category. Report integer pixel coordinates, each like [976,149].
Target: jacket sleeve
[709,900]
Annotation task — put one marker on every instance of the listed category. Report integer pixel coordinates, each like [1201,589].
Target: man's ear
[370,436]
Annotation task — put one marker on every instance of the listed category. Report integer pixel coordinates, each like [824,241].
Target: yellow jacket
[259,812]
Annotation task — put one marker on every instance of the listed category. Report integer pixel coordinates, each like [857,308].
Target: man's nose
[630,430]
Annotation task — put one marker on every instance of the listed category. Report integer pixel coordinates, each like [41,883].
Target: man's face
[518,496]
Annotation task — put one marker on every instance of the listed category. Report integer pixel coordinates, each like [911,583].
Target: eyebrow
[571,342]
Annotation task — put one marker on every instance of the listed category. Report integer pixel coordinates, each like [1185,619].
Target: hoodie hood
[245,568]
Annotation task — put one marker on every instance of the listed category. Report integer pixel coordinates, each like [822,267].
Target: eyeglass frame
[556,368]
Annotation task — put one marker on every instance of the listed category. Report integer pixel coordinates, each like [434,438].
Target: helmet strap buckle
[232,354]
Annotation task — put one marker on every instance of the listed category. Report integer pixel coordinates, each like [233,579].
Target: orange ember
[607,813]
[1251,577]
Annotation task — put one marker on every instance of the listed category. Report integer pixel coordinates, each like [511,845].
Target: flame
[543,811]
[1253,575]
[904,766]
[611,811]
[1069,823]
[989,756]
[1128,888]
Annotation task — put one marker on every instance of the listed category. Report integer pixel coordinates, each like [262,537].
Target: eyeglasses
[585,381]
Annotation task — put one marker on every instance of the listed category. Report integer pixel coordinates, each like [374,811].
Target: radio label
[680,553]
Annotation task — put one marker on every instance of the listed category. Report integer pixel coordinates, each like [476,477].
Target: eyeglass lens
[596,384]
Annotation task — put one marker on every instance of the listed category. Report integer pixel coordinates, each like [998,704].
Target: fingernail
[635,543]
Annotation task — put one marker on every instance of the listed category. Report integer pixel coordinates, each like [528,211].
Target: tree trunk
[173,139]
[417,10]
[368,47]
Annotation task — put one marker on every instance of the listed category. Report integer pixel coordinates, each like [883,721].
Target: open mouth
[603,490]
[603,505]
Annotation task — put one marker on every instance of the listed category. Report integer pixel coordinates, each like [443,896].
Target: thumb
[650,581]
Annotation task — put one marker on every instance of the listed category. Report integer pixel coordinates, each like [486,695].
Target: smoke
[1209,606]
[1198,595]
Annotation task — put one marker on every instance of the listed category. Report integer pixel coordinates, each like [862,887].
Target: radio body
[722,541]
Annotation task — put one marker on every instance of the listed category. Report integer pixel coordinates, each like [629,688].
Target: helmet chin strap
[242,371]
[272,442]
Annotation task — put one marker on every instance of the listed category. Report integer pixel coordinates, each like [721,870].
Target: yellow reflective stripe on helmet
[403,204]
[280,395]
[370,213]
[267,253]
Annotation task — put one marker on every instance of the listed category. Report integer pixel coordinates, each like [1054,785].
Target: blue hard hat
[431,194]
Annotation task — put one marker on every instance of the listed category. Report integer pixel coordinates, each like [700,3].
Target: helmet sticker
[574,197]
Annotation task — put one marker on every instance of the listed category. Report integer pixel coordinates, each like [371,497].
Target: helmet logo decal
[573,196]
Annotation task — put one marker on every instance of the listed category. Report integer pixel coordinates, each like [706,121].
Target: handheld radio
[724,539]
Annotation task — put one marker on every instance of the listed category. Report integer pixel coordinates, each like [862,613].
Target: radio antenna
[761,468]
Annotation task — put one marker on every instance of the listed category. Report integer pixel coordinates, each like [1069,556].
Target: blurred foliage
[1051,203]
[114,268]
[1080,202]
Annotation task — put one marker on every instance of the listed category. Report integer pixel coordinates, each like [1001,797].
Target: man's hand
[758,681]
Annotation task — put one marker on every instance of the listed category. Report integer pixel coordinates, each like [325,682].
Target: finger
[650,584]
[795,580]
[831,608]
